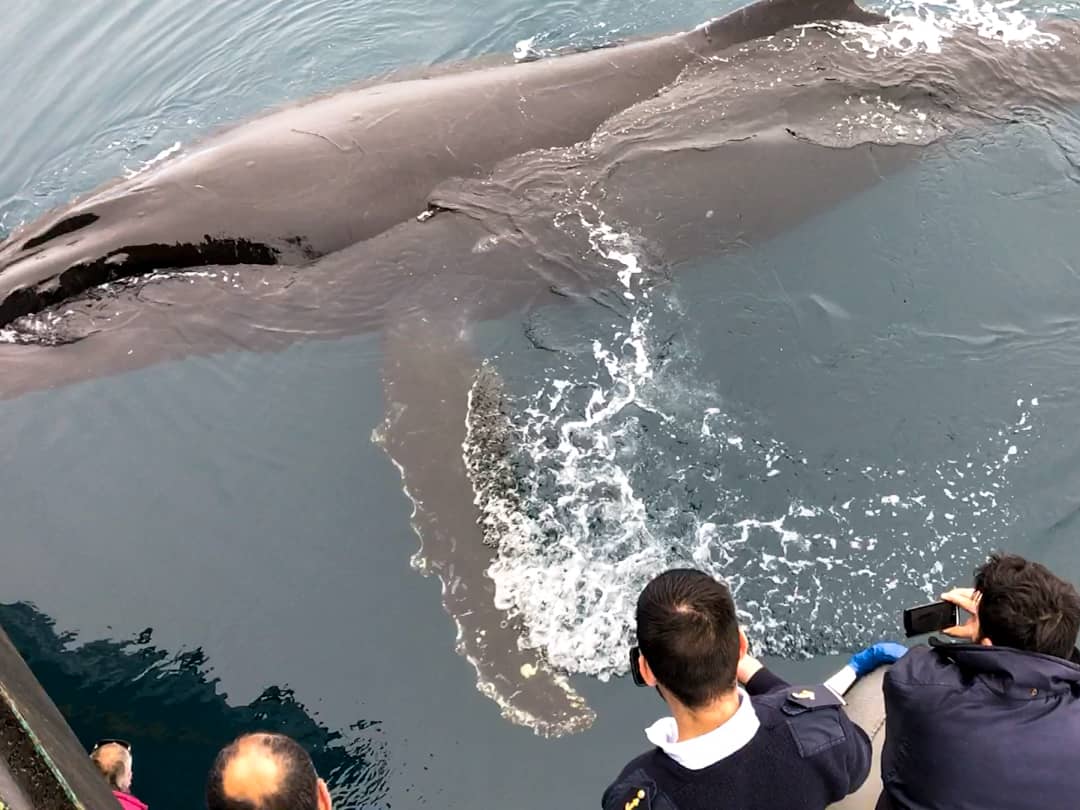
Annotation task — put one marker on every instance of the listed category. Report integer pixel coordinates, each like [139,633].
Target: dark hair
[689,634]
[296,790]
[1026,607]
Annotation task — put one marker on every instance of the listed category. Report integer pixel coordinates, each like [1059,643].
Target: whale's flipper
[429,376]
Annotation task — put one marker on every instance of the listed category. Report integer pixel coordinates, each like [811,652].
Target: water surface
[842,417]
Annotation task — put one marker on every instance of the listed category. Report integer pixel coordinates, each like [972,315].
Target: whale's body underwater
[691,144]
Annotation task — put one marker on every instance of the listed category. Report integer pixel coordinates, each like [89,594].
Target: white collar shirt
[708,749]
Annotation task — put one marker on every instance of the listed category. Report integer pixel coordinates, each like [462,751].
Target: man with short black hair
[265,772]
[769,747]
[992,723]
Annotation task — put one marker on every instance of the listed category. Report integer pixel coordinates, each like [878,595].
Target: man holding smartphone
[992,723]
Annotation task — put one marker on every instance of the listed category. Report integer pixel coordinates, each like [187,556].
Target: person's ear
[646,672]
[324,796]
[744,644]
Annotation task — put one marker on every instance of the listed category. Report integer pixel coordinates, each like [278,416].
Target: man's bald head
[265,772]
[114,762]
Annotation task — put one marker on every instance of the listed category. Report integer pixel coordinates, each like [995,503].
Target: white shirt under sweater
[708,749]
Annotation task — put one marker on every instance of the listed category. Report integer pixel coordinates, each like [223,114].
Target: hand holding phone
[918,621]
[967,599]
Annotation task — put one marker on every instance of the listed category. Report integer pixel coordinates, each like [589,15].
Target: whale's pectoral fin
[429,379]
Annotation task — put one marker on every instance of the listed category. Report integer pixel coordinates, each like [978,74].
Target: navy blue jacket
[981,728]
[805,755]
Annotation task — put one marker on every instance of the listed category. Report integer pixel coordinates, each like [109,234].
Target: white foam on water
[916,27]
[524,46]
[571,560]
[161,156]
[920,25]
[591,525]
[808,577]
[525,50]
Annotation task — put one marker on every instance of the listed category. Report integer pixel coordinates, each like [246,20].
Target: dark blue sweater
[806,755]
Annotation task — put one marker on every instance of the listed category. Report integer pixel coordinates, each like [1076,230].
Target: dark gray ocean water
[842,417]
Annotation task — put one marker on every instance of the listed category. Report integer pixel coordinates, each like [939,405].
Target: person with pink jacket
[113,759]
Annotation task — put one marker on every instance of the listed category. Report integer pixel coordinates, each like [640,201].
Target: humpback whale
[307,221]
[313,179]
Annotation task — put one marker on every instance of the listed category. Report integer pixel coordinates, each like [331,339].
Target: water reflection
[169,705]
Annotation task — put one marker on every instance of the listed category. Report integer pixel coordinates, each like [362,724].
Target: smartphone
[918,621]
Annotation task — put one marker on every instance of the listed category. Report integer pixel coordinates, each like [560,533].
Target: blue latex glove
[885,652]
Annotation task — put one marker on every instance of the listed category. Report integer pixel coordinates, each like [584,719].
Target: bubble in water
[918,25]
